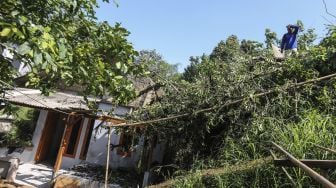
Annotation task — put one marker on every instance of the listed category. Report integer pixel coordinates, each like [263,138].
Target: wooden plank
[285,171]
[313,174]
[323,164]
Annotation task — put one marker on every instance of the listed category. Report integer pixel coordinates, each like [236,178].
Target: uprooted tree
[236,133]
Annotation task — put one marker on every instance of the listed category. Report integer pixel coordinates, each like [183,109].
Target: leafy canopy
[242,131]
[62,42]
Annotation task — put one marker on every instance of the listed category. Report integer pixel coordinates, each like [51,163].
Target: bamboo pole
[285,171]
[108,156]
[324,148]
[322,180]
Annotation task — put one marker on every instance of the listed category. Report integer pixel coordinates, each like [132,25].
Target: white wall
[98,150]
[98,144]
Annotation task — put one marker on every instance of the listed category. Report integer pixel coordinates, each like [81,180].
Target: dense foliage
[22,127]
[294,117]
[62,42]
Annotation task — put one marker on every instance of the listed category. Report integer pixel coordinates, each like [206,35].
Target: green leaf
[124,68]
[101,65]
[23,20]
[62,51]
[48,57]
[37,57]
[24,48]
[14,13]
[83,71]
[118,65]
[66,75]
[5,32]
[18,33]
[118,77]
[44,45]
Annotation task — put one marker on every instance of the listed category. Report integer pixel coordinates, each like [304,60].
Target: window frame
[68,136]
[88,131]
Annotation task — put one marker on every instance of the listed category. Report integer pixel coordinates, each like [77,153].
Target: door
[51,138]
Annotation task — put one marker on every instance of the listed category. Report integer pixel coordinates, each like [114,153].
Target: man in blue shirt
[289,40]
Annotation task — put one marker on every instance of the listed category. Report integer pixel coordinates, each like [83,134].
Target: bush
[23,128]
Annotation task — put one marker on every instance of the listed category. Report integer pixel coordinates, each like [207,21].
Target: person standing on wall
[289,40]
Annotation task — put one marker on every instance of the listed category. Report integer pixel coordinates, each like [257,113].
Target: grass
[196,178]
[245,162]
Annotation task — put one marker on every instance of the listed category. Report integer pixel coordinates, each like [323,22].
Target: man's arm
[295,27]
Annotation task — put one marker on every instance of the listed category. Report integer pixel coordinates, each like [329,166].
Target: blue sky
[178,29]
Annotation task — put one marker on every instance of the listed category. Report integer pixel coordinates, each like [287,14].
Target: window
[125,144]
[87,138]
[74,131]
[128,138]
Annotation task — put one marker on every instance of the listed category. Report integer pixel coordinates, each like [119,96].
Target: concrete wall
[98,150]
[98,145]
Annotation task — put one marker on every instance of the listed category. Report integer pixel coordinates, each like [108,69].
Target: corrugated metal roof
[34,98]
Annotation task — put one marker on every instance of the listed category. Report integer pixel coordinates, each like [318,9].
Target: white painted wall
[98,150]
[98,145]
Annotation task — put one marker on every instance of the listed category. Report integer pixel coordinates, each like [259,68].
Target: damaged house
[65,116]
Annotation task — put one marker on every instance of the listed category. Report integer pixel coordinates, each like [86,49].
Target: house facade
[86,140]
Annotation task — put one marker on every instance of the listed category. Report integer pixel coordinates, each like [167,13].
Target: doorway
[51,138]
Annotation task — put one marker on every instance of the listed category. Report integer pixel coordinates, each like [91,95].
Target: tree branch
[228,103]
